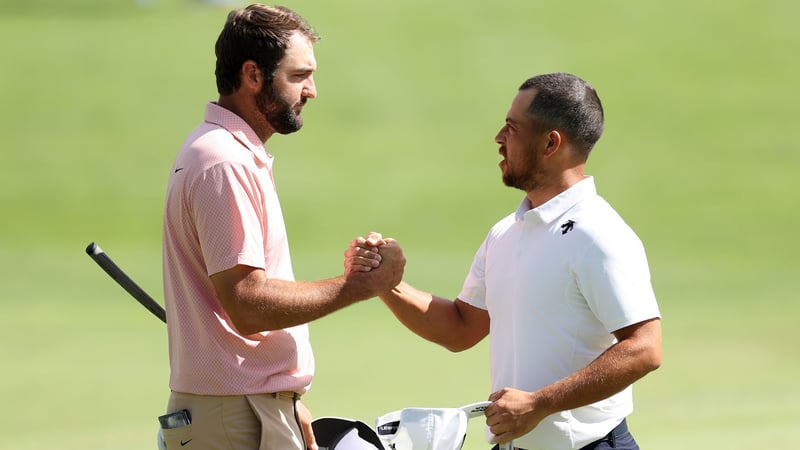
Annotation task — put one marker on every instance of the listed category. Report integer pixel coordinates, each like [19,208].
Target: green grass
[699,156]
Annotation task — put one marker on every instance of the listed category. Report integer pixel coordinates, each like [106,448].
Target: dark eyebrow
[303,67]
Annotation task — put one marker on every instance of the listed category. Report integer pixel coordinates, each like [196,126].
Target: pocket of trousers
[178,438]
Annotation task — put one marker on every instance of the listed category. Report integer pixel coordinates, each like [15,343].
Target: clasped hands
[380,258]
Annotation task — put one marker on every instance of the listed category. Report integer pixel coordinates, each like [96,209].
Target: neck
[549,189]
[248,113]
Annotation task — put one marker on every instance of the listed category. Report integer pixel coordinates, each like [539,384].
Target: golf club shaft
[108,265]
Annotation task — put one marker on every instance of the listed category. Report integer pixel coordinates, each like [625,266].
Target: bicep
[643,341]
[234,284]
[646,329]
[475,320]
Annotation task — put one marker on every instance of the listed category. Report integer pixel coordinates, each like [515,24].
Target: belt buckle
[285,395]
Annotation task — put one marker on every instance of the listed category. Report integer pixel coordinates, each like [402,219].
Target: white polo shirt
[222,210]
[557,280]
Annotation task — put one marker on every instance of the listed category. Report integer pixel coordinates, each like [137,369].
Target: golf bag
[427,428]
[405,429]
[336,433]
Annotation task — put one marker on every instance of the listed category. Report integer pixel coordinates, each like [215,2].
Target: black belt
[611,437]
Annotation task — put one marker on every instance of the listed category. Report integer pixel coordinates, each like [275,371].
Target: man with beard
[561,286]
[239,349]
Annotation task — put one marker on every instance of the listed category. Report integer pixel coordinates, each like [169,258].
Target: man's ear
[554,143]
[251,75]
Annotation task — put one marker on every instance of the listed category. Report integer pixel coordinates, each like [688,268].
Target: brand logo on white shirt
[567,226]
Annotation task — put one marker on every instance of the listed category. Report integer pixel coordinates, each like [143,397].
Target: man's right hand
[376,261]
[393,263]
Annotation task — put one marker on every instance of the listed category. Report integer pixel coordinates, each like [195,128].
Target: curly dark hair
[259,33]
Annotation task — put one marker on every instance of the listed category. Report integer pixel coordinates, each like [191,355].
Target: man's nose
[310,89]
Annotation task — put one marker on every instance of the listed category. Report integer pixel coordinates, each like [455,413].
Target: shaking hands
[376,258]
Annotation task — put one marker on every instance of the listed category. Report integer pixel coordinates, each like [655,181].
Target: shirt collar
[240,130]
[559,204]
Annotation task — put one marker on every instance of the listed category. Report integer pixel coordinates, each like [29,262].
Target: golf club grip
[108,265]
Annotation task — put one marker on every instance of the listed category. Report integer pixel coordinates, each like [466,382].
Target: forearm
[614,370]
[279,304]
[609,374]
[256,303]
[433,318]
[515,412]
[411,307]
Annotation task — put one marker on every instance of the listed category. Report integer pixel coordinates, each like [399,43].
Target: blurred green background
[699,155]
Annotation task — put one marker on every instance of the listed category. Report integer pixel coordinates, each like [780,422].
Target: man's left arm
[514,413]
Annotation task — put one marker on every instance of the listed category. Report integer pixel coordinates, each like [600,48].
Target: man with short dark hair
[561,286]
[240,355]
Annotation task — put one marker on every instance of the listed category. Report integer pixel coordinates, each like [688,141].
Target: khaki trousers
[246,422]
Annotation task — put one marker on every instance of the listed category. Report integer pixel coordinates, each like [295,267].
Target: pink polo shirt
[221,211]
